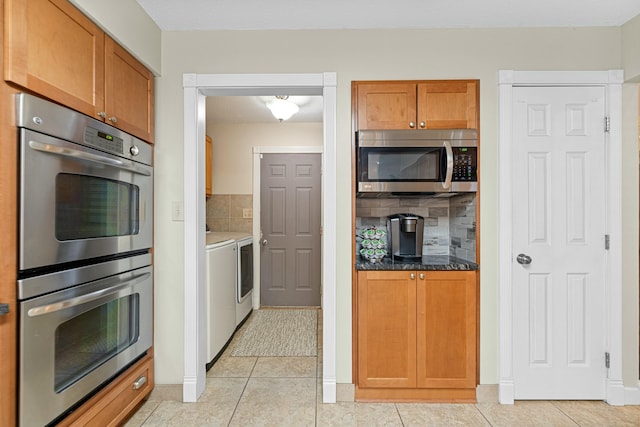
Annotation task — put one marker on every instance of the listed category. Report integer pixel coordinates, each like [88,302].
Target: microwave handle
[449,175]
[115,285]
[96,158]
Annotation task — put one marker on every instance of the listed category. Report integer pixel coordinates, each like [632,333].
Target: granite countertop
[214,237]
[428,262]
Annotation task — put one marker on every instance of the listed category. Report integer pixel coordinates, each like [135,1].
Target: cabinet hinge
[607,361]
[607,124]
[606,242]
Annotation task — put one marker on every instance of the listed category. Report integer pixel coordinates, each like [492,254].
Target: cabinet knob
[4,309]
[412,125]
[423,124]
[412,276]
[421,276]
[102,114]
[113,119]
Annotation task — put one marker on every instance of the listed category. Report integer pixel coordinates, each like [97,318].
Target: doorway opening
[196,88]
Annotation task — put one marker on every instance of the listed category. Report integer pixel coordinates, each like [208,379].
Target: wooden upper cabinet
[446,330]
[438,104]
[54,50]
[448,104]
[129,94]
[386,105]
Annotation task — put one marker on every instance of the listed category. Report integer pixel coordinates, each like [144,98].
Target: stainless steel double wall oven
[84,275]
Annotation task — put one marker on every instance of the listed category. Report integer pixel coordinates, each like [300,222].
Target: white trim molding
[612,81]
[196,88]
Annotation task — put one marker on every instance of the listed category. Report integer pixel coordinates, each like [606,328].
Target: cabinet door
[448,104]
[386,325]
[447,329]
[129,92]
[209,166]
[386,105]
[52,49]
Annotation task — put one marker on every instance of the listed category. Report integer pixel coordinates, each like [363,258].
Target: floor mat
[279,332]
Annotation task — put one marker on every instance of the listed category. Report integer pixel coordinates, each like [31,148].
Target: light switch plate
[177,211]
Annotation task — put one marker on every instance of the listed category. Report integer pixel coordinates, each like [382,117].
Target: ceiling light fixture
[282,108]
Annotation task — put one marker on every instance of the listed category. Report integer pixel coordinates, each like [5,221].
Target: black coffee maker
[405,236]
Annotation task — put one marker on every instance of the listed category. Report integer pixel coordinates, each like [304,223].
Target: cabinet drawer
[114,403]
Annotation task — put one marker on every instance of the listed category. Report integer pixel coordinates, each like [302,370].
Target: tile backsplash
[226,212]
[449,223]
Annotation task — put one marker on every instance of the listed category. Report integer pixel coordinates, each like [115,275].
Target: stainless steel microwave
[413,162]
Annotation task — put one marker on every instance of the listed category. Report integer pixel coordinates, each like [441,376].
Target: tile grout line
[553,403]
[482,414]
[242,394]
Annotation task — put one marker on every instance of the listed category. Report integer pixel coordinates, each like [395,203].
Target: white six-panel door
[558,231]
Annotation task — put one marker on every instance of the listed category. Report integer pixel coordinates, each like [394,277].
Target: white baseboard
[328,390]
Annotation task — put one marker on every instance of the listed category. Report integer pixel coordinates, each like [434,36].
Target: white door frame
[257,153]
[612,81]
[196,88]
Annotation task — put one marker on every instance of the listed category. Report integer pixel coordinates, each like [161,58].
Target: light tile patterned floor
[287,391]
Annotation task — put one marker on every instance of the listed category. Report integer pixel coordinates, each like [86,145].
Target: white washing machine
[244,288]
[221,296]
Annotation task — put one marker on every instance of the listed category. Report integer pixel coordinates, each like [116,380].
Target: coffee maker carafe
[405,235]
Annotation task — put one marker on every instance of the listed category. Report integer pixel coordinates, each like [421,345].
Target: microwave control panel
[465,164]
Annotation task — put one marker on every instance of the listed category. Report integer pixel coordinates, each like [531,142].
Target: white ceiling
[253,109]
[192,15]
[188,15]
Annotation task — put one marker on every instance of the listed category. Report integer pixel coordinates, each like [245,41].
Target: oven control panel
[103,141]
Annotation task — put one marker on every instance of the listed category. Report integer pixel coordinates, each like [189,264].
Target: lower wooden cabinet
[416,335]
[116,402]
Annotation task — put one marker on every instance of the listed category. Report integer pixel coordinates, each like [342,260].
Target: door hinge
[606,242]
[607,361]
[607,124]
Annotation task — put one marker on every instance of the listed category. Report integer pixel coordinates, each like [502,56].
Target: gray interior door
[290,221]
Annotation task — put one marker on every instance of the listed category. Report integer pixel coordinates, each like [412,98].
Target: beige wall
[631,49]
[233,149]
[376,55]
[127,23]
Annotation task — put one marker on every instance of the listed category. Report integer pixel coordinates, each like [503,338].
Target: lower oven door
[74,340]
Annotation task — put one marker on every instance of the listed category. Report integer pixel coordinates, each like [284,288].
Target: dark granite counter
[429,262]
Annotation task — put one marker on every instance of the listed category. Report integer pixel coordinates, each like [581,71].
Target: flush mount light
[282,108]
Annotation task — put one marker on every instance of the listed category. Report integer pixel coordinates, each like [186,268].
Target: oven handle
[96,158]
[447,180]
[117,285]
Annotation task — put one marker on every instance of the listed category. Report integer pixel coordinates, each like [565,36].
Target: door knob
[523,259]
[264,242]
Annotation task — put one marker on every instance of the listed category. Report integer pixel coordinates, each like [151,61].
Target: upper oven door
[78,203]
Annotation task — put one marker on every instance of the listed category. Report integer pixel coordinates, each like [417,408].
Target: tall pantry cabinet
[415,331]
